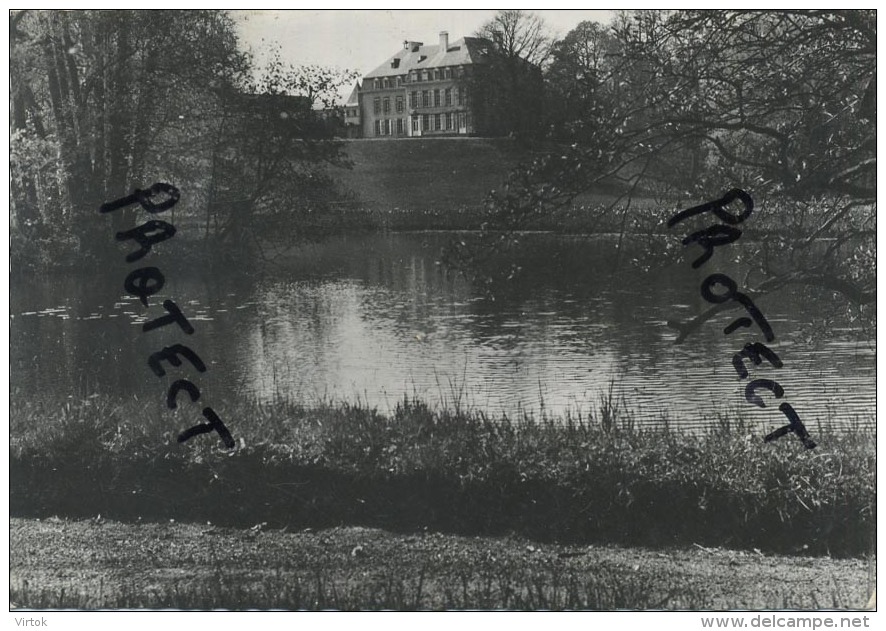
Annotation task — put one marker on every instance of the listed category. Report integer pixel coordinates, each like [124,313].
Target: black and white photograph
[443,310]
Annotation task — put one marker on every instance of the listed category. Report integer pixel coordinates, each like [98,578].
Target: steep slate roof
[460,52]
[354,99]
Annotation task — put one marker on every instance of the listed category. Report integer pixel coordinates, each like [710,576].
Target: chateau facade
[420,91]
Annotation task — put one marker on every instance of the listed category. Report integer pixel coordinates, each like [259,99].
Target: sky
[361,40]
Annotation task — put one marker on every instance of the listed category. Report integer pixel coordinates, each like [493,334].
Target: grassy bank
[427,174]
[99,563]
[570,480]
[441,184]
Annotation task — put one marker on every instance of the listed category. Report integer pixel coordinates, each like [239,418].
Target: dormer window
[395,63]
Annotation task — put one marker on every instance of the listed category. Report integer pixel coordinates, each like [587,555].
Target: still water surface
[375,318]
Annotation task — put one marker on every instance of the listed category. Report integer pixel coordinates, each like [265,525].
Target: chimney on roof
[444,41]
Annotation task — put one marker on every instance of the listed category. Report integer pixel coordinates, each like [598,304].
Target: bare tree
[270,157]
[778,103]
[518,34]
[507,88]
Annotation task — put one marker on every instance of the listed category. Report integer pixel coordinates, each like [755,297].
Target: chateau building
[420,91]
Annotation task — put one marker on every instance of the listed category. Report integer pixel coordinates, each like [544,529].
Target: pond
[376,318]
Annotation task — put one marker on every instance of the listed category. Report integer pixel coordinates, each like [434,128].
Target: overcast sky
[363,40]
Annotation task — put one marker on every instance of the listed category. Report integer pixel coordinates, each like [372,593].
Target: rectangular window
[378,128]
[386,83]
[436,98]
[425,122]
[415,123]
[461,120]
[399,104]
[387,105]
[424,75]
[447,73]
[413,97]
[376,84]
[448,120]
[376,105]
[399,81]
[399,126]
[436,74]
[448,96]
[459,96]
[425,98]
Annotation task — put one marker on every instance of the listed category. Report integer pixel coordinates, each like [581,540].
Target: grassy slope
[441,184]
[594,480]
[97,563]
[428,175]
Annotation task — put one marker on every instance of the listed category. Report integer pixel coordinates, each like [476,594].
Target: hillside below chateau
[427,174]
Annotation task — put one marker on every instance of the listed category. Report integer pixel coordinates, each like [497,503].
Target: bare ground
[98,563]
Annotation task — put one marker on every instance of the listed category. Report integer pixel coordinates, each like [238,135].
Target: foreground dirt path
[109,564]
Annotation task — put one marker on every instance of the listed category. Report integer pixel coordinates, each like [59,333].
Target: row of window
[423,98]
[387,126]
[415,76]
[441,122]
[380,105]
[448,121]
[436,98]
[387,82]
[436,74]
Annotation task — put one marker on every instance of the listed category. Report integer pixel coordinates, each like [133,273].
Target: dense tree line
[102,102]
